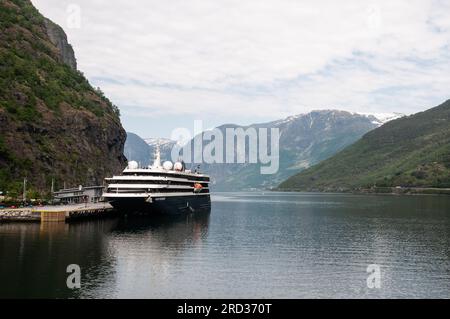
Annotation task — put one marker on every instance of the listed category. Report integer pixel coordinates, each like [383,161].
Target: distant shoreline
[377,190]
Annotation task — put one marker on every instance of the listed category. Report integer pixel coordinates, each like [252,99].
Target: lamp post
[24,198]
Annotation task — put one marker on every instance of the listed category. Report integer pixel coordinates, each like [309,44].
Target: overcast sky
[166,63]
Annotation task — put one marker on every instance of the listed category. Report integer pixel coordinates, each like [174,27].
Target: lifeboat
[198,187]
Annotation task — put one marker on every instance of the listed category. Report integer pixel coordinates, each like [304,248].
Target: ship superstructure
[159,188]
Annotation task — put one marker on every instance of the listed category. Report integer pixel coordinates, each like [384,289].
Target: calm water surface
[251,245]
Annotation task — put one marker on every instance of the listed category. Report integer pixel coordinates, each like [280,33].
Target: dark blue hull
[175,205]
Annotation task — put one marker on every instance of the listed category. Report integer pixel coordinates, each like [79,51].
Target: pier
[62,213]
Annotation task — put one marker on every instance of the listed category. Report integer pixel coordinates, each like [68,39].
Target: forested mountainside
[412,151]
[53,123]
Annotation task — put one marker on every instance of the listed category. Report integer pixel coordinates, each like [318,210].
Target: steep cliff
[59,39]
[53,124]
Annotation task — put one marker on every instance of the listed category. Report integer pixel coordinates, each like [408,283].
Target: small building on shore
[90,194]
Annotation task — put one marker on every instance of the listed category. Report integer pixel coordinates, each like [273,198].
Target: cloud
[262,58]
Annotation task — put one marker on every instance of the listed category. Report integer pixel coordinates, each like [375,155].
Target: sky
[168,63]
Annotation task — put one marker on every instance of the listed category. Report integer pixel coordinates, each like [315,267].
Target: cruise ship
[159,189]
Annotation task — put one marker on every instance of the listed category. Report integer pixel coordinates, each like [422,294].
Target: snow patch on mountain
[153,141]
[382,118]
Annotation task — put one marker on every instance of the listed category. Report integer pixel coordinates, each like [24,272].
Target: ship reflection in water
[34,257]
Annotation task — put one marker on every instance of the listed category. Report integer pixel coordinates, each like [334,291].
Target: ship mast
[157,162]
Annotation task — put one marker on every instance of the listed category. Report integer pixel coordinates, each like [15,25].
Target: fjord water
[251,245]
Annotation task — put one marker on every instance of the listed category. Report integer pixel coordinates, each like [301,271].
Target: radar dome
[168,165]
[178,166]
[133,165]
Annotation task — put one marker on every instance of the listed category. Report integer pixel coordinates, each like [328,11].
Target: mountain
[305,140]
[163,142]
[412,151]
[383,118]
[143,150]
[136,149]
[53,123]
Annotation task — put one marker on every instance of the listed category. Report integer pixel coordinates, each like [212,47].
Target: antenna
[157,162]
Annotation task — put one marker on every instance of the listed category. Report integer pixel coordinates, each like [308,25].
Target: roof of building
[77,189]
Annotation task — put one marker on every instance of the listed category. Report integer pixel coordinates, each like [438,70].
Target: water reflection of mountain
[34,257]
